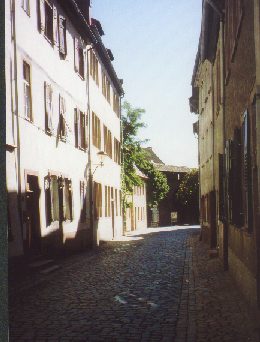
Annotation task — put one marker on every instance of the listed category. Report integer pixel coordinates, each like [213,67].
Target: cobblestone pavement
[157,286]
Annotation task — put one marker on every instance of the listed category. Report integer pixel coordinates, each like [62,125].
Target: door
[33,236]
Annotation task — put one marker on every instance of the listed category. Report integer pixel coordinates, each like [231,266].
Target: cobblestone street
[157,285]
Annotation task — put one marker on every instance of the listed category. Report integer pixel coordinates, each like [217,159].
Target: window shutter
[55,27]
[62,35]
[48,106]
[76,54]
[52,199]
[237,180]
[76,124]
[41,15]
[221,187]
[71,200]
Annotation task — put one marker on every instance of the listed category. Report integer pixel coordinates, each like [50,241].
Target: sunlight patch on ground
[138,234]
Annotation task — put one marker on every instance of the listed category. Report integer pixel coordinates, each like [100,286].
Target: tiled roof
[151,156]
[172,168]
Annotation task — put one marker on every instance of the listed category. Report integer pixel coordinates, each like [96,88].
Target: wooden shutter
[55,27]
[221,187]
[237,217]
[76,125]
[62,35]
[48,94]
[247,172]
[76,54]
[41,15]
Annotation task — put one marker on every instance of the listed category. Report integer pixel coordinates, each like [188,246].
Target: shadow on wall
[26,234]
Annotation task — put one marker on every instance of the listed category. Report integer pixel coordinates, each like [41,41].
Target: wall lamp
[102,155]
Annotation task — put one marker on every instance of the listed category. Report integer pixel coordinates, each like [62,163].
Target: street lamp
[102,155]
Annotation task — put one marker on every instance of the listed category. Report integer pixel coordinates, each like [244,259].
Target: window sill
[82,149]
[48,40]
[28,119]
[63,139]
[80,76]
[49,132]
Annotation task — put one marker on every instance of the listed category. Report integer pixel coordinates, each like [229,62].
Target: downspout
[89,165]
[3,209]
[19,187]
[225,216]
[122,204]
[257,61]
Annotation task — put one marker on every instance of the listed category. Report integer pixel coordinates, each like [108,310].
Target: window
[62,119]
[26,6]
[83,202]
[80,129]
[27,91]
[48,94]
[52,199]
[96,131]
[105,86]
[117,151]
[94,67]
[58,199]
[107,142]
[79,57]
[234,13]
[62,36]
[97,200]
[46,18]
[116,103]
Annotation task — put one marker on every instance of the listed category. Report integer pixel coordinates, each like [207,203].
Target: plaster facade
[52,164]
[234,142]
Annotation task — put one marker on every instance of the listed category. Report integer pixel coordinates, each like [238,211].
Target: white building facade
[60,114]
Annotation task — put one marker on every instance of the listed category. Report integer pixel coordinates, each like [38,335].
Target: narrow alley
[154,285]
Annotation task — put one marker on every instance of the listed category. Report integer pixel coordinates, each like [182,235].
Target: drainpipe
[94,236]
[18,151]
[122,165]
[257,61]
[3,208]
[225,216]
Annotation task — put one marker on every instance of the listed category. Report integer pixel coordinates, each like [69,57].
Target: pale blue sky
[154,44]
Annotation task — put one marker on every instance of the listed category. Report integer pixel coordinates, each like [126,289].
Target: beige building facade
[229,50]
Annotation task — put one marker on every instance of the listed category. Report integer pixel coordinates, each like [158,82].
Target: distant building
[170,211]
[63,107]
[136,213]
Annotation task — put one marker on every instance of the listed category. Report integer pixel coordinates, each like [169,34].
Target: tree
[134,156]
[188,193]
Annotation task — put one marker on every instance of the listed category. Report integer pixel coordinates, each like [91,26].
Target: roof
[212,13]
[78,12]
[106,59]
[172,168]
[140,173]
[151,156]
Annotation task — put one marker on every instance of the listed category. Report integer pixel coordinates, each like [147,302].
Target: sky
[154,44]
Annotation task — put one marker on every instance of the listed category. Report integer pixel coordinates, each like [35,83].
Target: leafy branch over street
[135,157]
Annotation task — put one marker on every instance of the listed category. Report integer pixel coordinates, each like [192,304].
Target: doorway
[33,235]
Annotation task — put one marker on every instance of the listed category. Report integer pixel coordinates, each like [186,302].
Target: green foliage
[134,156]
[188,191]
